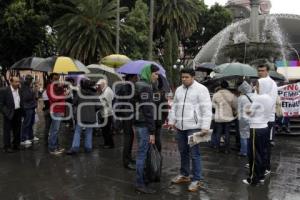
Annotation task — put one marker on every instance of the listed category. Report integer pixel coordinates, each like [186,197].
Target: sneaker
[247,166]
[247,181]
[26,143]
[194,186]
[55,153]
[262,181]
[181,179]
[61,150]
[35,139]
[267,172]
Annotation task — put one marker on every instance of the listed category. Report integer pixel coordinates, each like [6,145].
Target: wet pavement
[34,174]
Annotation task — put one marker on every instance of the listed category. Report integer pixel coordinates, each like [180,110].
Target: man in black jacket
[10,107]
[124,97]
[29,104]
[144,122]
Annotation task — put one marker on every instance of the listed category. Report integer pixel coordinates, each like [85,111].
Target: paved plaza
[33,174]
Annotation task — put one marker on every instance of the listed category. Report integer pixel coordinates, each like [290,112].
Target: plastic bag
[153,164]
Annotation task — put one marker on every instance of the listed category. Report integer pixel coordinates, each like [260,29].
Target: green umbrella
[235,69]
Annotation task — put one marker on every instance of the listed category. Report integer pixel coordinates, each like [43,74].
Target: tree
[219,17]
[135,31]
[167,54]
[87,30]
[177,15]
[22,27]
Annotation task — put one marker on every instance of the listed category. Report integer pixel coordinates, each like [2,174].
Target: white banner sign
[290,99]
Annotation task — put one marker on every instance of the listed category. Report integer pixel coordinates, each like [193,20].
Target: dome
[289,25]
[265,5]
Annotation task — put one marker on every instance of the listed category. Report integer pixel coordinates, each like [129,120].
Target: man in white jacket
[191,112]
[263,73]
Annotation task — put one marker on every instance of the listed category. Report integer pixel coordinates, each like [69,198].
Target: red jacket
[56,95]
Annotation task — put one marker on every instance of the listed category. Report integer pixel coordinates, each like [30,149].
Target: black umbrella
[28,63]
[205,66]
[276,76]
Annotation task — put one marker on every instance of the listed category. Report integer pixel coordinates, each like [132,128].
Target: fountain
[252,40]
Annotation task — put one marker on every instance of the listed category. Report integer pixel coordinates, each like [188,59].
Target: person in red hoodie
[55,92]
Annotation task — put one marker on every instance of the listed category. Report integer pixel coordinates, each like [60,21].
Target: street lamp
[178,65]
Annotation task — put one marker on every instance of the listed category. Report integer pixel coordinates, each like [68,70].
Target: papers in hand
[198,137]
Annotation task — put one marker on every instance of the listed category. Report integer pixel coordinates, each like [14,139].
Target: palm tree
[178,15]
[87,30]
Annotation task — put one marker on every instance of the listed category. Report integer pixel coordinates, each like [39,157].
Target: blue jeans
[53,132]
[143,146]
[88,139]
[244,146]
[185,151]
[222,129]
[27,125]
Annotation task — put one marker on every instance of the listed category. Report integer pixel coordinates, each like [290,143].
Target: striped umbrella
[61,65]
[115,60]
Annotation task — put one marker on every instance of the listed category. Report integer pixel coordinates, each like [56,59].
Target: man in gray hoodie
[244,102]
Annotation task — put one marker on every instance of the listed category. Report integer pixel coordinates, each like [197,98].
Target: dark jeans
[128,137]
[237,133]
[256,153]
[27,125]
[222,129]
[143,146]
[186,152]
[107,133]
[56,119]
[13,125]
[47,118]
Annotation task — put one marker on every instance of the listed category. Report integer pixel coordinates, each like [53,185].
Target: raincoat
[243,103]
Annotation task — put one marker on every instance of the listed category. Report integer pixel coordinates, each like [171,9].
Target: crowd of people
[140,105]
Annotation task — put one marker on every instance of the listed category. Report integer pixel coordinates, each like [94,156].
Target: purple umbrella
[135,67]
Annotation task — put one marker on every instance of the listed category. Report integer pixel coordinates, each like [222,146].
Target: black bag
[153,164]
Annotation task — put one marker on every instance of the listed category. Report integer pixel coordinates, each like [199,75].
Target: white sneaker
[55,153]
[26,143]
[195,185]
[247,166]
[36,139]
[267,172]
[180,179]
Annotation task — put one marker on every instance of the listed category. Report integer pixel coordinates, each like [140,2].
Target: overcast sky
[278,6]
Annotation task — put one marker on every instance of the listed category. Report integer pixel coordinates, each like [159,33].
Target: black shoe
[87,151]
[16,148]
[130,166]
[8,150]
[227,152]
[108,147]
[71,153]
[144,190]
[242,155]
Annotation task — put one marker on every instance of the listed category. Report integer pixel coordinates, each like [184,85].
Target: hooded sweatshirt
[243,103]
[262,106]
[269,87]
[145,106]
